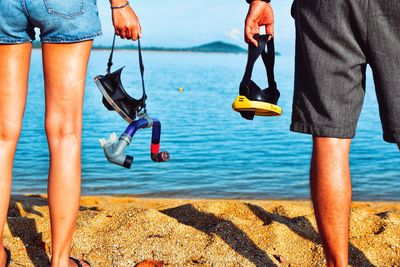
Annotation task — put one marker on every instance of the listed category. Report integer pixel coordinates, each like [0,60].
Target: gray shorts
[335,40]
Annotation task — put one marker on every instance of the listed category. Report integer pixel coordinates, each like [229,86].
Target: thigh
[14,70]
[384,58]
[65,67]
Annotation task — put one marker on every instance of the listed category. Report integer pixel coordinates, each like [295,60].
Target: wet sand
[122,231]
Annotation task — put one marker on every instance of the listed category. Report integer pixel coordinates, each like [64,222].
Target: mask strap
[268,58]
[110,63]
[254,53]
[141,65]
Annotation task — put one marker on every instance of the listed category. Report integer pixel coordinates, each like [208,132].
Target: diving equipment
[252,100]
[115,98]
[114,95]
[114,149]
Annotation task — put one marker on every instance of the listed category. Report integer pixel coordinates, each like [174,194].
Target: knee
[63,131]
[10,131]
[331,145]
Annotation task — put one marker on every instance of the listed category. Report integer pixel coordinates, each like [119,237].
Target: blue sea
[214,152]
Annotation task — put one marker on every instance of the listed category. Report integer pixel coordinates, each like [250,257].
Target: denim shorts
[335,40]
[59,21]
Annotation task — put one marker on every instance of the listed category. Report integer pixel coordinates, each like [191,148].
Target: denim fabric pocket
[66,9]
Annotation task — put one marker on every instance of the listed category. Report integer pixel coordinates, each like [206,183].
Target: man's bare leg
[331,195]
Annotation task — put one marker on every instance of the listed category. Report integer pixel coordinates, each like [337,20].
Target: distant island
[214,47]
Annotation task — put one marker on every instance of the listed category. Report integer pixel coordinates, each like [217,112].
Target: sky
[179,23]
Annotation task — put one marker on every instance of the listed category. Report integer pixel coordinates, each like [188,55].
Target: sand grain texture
[122,231]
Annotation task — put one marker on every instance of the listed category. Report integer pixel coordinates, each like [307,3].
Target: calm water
[214,153]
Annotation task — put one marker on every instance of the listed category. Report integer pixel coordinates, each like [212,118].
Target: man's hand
[260,14]
[125,21]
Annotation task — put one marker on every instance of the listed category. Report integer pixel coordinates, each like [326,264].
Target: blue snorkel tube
[115,98]
[114,149]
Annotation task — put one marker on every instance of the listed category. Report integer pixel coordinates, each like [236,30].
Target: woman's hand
[260,14]
[125,21]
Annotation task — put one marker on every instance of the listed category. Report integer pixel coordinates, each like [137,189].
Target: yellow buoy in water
[180,90]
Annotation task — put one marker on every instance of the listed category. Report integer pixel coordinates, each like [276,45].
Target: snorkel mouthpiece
[115,150]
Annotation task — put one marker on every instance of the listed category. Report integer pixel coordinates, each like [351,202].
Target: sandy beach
[123,231]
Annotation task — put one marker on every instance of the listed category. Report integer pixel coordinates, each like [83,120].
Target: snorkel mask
[115,98]
[114,95]
[253,100]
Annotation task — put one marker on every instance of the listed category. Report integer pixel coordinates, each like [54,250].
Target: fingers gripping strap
[268,58]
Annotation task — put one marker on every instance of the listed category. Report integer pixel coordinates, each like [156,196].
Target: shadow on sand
[302,227]
[26,229]
[225,229]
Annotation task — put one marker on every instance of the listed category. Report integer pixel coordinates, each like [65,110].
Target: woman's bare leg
[65,67]
[14,69]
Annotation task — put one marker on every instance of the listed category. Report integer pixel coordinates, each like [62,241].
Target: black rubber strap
[110,63]
[268,58]
[269,62]
[141,66]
